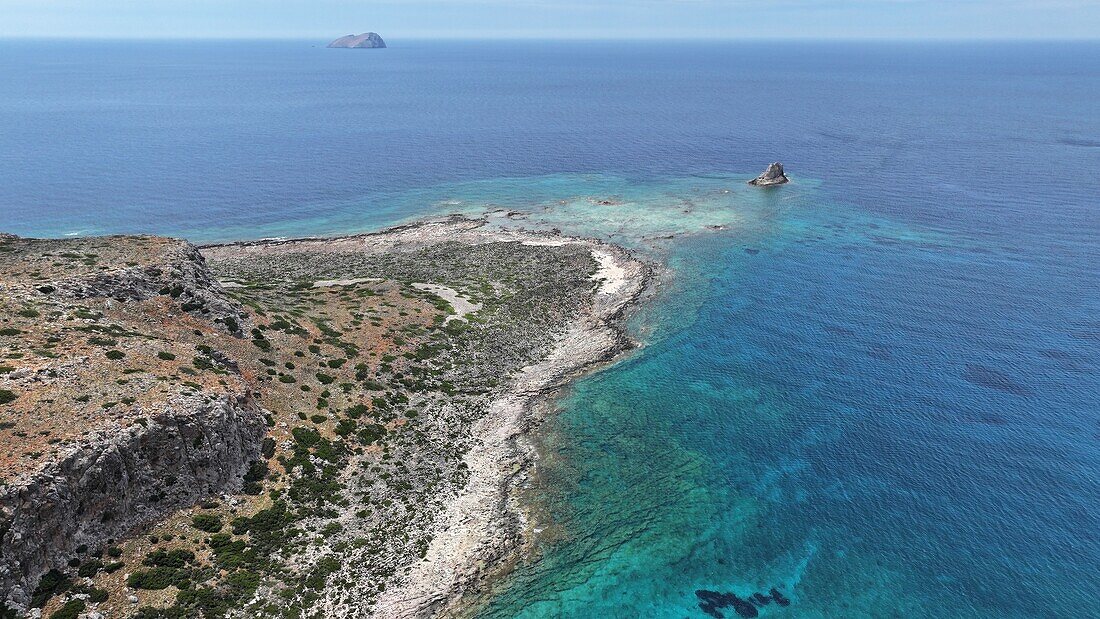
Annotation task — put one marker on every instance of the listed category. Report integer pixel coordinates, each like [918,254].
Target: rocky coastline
[485,529]
[397,497]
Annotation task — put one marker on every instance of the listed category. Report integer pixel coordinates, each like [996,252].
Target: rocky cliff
[121,479]
[117,402]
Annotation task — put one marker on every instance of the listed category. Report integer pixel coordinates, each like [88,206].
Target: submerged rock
[367,40]
[712,602]
[779,597]
[772,176]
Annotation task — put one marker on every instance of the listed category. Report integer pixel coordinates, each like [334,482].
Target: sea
[871,392]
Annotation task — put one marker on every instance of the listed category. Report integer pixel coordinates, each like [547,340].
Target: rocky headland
[305,428]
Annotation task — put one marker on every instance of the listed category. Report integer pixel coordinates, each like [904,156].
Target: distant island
[367,40]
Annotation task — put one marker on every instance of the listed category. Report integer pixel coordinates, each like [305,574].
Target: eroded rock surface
[772,176]
[117,404]
[120,479]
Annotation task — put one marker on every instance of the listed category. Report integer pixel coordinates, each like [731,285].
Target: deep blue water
[877,390]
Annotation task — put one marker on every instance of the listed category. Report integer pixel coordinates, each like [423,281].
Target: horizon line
[327,38]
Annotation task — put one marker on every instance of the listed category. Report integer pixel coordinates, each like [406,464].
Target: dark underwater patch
[751,251]
[884,240]
[712,602]
[988,377]
[839,331]
[1067,361]
[1085,335]
[880,352]
[992,419]
[1084,143]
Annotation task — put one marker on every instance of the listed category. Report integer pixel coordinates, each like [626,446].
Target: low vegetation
[371,394]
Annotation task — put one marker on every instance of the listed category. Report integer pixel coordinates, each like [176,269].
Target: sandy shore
[483,529]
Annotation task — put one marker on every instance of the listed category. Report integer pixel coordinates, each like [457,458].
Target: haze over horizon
[601,19]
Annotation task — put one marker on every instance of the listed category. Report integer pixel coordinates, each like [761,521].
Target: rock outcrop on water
[367,40]
[772,176]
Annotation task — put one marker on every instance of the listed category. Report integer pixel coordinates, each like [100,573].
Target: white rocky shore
[485,527]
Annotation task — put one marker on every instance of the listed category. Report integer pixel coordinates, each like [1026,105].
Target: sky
[410,19]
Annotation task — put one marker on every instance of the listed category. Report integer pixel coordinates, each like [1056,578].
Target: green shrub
[71,610]
[89,568]
[228,552]
[243,581]
[306,437]
[257,471]
[371,433]
[165,356]
[202,363]
[157,578]
[345,427]
[114,355]
[51,583]
[7,396]
[268,447]
[168,558]
[207,522]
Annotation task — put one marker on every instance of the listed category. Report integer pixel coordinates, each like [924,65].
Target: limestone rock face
[367,40]
[772,176]
[182,274]
[116,481]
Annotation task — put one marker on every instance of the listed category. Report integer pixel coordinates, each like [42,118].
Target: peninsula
[315,427]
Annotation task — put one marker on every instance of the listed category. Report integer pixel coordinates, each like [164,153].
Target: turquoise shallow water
[831,403]
[876,389]
[816,410]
